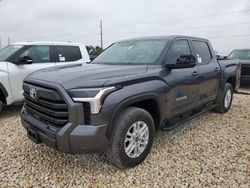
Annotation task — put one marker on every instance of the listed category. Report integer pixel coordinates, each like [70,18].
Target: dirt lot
[211,150]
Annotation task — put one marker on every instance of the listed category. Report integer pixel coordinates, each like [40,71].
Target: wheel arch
[232,80]
[3,94]
[149,102]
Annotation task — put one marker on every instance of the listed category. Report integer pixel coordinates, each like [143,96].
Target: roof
[167,37]
[48,43]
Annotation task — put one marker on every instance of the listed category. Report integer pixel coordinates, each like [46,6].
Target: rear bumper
[80,139]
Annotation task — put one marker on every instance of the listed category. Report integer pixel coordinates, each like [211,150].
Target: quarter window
[39,54]
[202,52]
[179,47]
[67,53]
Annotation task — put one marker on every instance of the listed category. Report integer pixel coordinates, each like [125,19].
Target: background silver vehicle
[243,55]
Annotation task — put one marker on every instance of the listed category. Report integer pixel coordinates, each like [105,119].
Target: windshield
[8,51]
[132,52]
[240,54]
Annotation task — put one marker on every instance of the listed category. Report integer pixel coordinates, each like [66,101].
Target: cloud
[78,20]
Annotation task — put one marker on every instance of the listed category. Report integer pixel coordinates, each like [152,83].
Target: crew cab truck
[20,59]
[135,87]
[243,56]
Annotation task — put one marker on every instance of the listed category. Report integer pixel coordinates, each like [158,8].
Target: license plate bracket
[33,135]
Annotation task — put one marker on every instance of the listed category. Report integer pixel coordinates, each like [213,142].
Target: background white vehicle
[20,59]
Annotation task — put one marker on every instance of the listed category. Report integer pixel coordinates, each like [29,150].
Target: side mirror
[184,61]
[25,60]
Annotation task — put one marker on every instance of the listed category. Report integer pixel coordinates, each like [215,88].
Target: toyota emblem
[33,93]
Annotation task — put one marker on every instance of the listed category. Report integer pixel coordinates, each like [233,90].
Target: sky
[226,23]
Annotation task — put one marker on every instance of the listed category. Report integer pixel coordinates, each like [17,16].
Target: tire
[130,120]
[225,101]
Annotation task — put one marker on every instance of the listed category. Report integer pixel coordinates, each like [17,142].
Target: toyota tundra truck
[22,58]
[135,87]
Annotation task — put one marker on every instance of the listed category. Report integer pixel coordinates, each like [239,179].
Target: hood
[87,75]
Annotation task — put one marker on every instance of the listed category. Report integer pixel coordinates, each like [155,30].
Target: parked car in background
[20,59]
[133,88]
[243,55]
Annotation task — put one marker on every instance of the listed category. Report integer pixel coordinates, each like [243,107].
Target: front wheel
[132,138]
[225,102]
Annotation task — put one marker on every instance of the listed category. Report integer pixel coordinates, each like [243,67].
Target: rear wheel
[225,102]
[132,138]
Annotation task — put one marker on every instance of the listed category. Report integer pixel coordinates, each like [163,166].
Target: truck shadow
[10,111]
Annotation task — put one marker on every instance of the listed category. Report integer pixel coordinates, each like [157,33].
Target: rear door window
[202,52]
[67,53]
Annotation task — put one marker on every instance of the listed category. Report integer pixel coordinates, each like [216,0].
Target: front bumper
[80,139]
[76,135]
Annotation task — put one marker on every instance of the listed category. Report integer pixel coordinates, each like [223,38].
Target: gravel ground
[210,151]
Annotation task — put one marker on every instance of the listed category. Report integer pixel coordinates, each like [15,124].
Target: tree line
[94,51]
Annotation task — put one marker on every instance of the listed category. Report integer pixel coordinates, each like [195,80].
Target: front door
[41,58]
[183,93]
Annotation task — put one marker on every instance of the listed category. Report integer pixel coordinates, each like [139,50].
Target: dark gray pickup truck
[243,56]
[135,87]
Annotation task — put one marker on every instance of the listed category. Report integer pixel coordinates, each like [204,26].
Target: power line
[76,31]
[71,32]
[186,28]
[141,23]
[189,18]
[229,36]
[220,4]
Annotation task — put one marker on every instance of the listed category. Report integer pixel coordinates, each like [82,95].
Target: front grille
[245,70]
[48,106]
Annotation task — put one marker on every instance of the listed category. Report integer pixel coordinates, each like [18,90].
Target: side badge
[180,96]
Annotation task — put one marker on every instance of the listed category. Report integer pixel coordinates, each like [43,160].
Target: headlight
[94,96]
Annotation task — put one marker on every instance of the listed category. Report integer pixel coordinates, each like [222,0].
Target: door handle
[216,69]
[195,73]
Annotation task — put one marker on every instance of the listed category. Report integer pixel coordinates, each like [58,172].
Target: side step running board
[178,122]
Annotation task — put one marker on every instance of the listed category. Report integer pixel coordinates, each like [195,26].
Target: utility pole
[8,40]
[101,35]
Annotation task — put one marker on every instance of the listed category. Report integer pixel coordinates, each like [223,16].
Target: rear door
[64,55]
[41,58]
[209,71]
[183,93]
